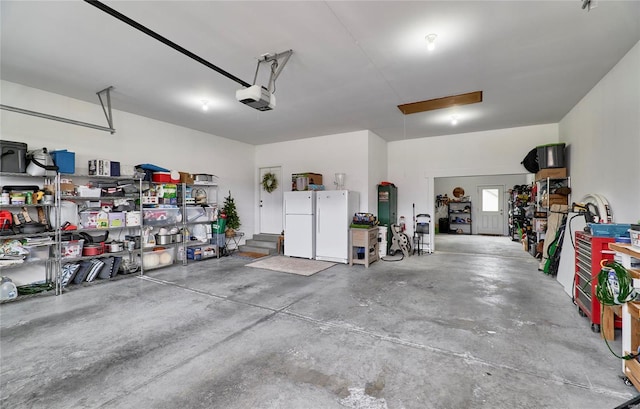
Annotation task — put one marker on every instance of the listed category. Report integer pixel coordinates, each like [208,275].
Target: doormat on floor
[292,265]
[249,254]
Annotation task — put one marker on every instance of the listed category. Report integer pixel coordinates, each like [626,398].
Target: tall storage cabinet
[590,252]
[387,210]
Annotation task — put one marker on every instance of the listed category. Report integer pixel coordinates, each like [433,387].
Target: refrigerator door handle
[318,220]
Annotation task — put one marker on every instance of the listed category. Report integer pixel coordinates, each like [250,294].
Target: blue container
[64,160]
[610,230]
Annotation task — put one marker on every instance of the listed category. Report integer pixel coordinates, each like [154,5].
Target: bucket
[41,163]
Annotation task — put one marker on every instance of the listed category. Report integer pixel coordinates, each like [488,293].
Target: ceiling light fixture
[431,41]
[454,120]
[205,105]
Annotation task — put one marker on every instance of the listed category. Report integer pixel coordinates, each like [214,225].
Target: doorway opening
[487,196]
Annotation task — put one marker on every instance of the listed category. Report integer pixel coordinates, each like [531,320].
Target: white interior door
[271,203]
[490,218]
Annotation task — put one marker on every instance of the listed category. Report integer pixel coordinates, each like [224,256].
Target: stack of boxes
[551,160]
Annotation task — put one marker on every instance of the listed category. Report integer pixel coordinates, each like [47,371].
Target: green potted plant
[233,220]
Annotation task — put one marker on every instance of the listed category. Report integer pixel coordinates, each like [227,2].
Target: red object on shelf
[590,251]
[161,177]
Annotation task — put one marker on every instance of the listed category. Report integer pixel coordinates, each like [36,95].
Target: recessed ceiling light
[431,41]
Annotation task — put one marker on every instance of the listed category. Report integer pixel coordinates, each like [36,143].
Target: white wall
[377,170]
[414,163]
[327,155]
[137,140]
[602,133]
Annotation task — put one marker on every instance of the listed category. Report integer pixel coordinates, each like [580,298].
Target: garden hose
[615,287]
[615,284]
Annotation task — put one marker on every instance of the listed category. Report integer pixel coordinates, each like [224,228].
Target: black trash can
[443,225]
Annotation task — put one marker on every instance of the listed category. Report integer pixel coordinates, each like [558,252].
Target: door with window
[491,210]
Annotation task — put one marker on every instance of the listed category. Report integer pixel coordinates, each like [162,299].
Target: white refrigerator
[300,224]
[334,214]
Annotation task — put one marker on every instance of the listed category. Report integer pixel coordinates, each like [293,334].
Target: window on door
[490,200]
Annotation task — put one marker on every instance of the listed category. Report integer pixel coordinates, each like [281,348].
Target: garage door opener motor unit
[262,98]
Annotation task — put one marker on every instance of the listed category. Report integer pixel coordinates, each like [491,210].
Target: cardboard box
[548,200]
[311,179]
[66,188]
[553,173]
[99,167]
[186,178]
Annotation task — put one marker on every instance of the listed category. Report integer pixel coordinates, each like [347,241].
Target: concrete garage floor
[474,325]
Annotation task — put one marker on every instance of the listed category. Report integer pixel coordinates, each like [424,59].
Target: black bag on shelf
[530,162]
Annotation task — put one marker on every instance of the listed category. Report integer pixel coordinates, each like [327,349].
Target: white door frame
[270,205]
[502,215]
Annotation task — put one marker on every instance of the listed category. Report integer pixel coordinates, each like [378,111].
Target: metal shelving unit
[460,220]
[201,196]
[46,239]
[134,229]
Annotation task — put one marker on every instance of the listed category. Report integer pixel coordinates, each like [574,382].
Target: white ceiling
[353,61]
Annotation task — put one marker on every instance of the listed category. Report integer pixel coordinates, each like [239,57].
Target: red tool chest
[590,251]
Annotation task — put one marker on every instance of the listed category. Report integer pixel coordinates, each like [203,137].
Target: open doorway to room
[474,205]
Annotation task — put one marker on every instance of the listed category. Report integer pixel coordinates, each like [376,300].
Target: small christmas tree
[229,208]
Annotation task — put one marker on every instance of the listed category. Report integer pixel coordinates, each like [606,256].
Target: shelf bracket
[107,112]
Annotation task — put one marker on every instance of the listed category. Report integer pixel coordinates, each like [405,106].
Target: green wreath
[269,182]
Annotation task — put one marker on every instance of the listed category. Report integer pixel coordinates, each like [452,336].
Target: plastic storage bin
[13,157]
[201,252]
[610,230]
[38,252]
[132,218]
[157,258]
[64,160]
[72,248]
[159,216]
[94,220]
[551,156]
